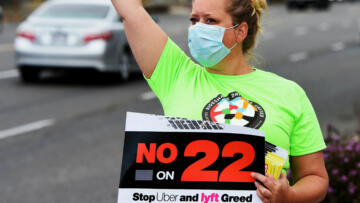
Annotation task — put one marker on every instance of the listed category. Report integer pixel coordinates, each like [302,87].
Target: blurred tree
[15,10]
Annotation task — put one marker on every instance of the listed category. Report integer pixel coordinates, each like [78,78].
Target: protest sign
[178,160]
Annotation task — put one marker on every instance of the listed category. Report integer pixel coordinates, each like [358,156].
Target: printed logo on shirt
[185,124]
[235,110]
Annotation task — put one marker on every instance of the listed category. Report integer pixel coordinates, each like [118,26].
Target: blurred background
[67,78]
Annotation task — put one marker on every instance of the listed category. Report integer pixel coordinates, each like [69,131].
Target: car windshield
[74,11]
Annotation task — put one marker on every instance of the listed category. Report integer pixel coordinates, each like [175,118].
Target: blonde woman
[223,87]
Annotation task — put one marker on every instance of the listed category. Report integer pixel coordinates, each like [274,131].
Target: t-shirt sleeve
[306,137]
[172,63]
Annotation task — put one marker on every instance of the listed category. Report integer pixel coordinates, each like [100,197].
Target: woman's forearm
[311,188]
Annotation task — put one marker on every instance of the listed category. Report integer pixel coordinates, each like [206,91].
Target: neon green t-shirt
[261,100]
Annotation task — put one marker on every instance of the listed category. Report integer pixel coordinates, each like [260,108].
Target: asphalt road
[61,139]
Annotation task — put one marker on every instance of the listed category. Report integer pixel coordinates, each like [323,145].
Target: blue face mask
[206,43]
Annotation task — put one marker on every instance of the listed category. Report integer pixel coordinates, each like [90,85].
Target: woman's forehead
[209,7]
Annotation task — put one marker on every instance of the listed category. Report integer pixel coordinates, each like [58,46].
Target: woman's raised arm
[146,39]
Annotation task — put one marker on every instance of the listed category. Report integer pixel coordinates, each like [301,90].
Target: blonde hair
[249,11]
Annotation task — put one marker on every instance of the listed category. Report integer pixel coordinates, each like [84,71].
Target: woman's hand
[273,190]
[146,39]
[124,7]
[311,182]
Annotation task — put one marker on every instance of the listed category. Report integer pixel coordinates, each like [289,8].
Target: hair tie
[253,5]
[254,11]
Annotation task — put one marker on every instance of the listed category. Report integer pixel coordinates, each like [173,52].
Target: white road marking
[8,74]
[298,56]
[148,96]
[26,128]
[6,48]
[324,26]
[338,46]
[300,31]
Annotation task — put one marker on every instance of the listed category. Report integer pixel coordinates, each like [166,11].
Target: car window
[74,11]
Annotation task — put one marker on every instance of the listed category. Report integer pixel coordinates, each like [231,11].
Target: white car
[73,34]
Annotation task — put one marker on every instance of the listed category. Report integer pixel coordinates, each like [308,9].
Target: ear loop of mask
[233,28]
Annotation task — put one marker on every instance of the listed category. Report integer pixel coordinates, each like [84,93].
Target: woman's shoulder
[281,82]
[287,93]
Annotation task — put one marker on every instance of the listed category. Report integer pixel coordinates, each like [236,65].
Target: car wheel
[125,66]
[29,75]
[288,7]
[302,7]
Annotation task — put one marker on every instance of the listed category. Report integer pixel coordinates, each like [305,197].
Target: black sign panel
[191,160]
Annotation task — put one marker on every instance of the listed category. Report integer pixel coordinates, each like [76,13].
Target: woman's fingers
[262,198]
[282,177]
[265,193]
[272,190]
[258,176]
[267,180]
[272,179]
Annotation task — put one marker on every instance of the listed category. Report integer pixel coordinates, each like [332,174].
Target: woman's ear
[241,32]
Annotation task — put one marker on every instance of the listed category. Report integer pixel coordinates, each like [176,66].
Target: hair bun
[249,11]
[259,7]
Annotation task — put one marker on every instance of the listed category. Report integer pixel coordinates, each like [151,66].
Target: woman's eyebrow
[203,14]
[213,16]
[208,14]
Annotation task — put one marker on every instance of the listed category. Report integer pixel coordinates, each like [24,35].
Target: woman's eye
[193,20]
[211,20]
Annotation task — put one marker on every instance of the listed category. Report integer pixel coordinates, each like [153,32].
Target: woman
[224,88]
